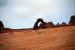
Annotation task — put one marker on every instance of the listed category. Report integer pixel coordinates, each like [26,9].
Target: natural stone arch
[36,23]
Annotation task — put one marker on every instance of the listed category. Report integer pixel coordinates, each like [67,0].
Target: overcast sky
[17,14]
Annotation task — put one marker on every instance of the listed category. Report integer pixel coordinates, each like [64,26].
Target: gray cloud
[3,3]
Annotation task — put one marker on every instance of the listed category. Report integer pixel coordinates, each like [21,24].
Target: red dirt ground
[62,38]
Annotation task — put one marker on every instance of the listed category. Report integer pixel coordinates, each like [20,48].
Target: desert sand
[59,38]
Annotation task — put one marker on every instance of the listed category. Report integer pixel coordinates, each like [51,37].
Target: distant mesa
[49,25]
[72,21]
[57,25]
[63,24]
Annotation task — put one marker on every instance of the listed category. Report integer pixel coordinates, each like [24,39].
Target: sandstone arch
[36,24]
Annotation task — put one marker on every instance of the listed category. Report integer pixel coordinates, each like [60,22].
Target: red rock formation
[1,26]
[49,25]
[72,21]
[41,26]
[63,24]
[36,24]
[57,25]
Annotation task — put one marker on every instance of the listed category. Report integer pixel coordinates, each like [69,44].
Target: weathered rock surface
[57,25]
[1,26]
[49,25]
[36,24]
[63,24]
[72,21]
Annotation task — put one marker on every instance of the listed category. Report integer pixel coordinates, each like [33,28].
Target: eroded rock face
[72,21]
[44,25]
[1,26]
[49,25]
[57,25]
[63,24]
[41,26]
[36,24]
